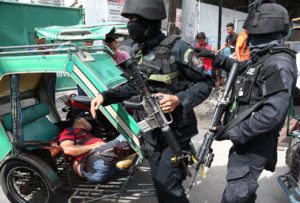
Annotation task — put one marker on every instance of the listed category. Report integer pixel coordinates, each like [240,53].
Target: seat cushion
[36,126]
[40,130]
[29,115]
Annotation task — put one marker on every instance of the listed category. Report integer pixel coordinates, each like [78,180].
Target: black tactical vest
[161,69]
[257,82]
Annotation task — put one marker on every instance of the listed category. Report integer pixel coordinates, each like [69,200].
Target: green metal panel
[5,144]
[36,63]
[64,82]
[18,21]
[103,74]
[104,70]
[49,63]
[81,32]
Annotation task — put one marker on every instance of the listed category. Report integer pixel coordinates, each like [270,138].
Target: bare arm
[76,150]
[237,53]
[239,44]
[221,49]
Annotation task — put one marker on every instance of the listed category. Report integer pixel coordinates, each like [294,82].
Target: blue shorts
[97,169]
[101,171]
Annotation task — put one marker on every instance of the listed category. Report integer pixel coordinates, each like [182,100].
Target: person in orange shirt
[242,50]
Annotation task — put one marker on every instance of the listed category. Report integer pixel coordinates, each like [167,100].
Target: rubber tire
[12,195]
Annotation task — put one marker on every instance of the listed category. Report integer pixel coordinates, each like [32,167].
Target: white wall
[209,15]
[97,11]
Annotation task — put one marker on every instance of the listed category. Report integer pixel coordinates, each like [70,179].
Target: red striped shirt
[80,137]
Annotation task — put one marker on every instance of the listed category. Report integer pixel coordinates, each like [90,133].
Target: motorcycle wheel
[22,182]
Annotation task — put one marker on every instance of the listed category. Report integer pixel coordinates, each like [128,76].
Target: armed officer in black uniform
[173,73]
[265,84]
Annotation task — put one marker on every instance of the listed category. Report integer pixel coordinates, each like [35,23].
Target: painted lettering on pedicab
[62,74]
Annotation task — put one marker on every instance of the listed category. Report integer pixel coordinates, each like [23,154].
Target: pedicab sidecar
[290,182]
[31,169]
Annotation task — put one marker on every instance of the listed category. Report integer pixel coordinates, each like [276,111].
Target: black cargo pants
[167,176]
[243,171]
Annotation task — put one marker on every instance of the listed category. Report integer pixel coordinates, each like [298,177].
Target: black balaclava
[264,39]
[142,30]
[260,44]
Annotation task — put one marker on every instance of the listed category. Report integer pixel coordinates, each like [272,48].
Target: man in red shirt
[202,43]
[91,157]
[119,56]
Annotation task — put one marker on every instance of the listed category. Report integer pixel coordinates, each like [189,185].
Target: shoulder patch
[187,54]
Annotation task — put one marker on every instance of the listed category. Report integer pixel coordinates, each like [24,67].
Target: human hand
[222,136]
[168,103]
[203,52]
[95,105]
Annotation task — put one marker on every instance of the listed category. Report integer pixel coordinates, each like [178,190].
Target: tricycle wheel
[294,143]
[22,182]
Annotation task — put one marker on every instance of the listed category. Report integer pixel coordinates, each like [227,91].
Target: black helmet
[148,9]
[266,17]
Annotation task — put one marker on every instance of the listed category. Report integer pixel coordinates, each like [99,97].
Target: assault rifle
[154,118]
[205,154]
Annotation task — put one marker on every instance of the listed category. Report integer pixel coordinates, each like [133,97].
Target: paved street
[210,190]
[207,190]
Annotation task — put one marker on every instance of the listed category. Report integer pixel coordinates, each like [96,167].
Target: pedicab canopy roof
[79,33]
[82,32]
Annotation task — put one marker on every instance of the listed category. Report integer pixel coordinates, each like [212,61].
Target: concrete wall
[208,21]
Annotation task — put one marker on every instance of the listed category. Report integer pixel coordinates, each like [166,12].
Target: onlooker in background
[230,40]
[119,56]
[242,50]
[88,43]
[227,50]
[38,40]
[202,43]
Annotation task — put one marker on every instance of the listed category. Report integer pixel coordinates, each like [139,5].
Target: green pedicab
[30,120]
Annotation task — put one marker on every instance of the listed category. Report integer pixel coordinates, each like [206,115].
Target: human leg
[167,177]
[100,165]
[242,178]
[96,169]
